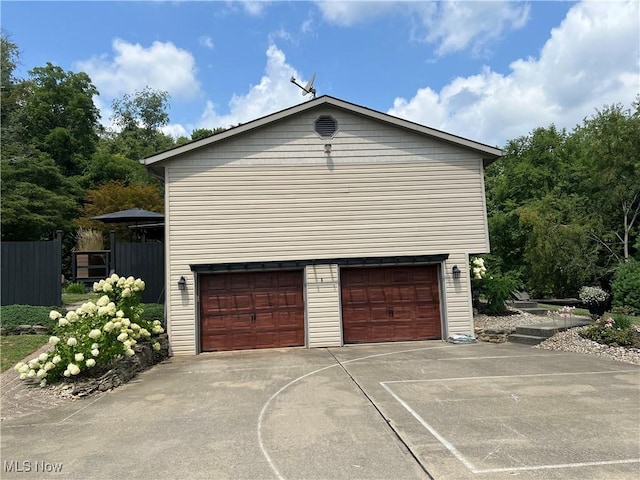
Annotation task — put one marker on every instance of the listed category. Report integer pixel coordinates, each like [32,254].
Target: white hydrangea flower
[119,314]
[78,357]
[97,288]
[107,288]
[94,345]
[156,346]
[135,327]
[126,322]
[67,373]
[145,333]
[108,326]
[121,282]
[90,363]
[24,368]
[129,352]
[95,352]
[34,363]
[95,334]
[41,373]
[54,315]
[43,357]
[18,366]
[73,369]
[31,373]
[138,285]
[123,337]
[127,343]
[126,293]
[43,382]
[48,366]
[57,359]
[72,342]
[117,325]
[54,340]
[23,376]
[103,301]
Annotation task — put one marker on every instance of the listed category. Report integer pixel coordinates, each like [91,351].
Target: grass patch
[68,298]
[579,312]
[14,348]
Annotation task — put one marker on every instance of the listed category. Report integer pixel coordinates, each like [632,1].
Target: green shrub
[75,288]
[152,312]
[11,316]
[626,286]
[497,289]
[616,330]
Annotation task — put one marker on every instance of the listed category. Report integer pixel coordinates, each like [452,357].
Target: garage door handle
[253,317]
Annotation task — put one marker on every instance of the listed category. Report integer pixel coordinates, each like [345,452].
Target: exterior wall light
[327,148]
[455,271]
[182,284]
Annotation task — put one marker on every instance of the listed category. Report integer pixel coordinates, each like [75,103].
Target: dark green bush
[497,289]
[11,316]
[626,286]
[153,311]
[75,288]
[614,330]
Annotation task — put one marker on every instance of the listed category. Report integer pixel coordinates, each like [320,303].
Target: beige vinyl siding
[459,310]
[323,306]
[274,195]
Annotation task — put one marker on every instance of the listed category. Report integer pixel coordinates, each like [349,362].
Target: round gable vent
[326,126]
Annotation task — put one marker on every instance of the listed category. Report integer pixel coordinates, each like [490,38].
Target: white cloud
[206,41]
[450,25]
[350,13]
[456,26]
[590,60]
[162,66]
[175,130]
[254,8]
[274,92]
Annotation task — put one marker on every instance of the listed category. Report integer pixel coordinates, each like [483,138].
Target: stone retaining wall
[493,335]
[125,369]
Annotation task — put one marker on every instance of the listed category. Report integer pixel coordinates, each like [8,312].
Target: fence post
[58,290]
[112,252]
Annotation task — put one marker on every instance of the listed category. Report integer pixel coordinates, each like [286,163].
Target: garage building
[324,224]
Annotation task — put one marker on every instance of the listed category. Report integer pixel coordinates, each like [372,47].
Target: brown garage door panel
[249,310]
[382,304]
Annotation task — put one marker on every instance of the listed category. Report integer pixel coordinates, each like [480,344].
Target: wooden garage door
[240,311]
[382,304]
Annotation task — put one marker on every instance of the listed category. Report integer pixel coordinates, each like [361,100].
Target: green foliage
[36,198]
[12,316]
[76,287]
[626,286]
[105,167]
[199,133]
[563,207]
[617,331]
[57,116]
[497,289]
[152,312]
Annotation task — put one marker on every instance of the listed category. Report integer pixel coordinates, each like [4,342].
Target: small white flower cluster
[478,269]
[592,295]
[125,285]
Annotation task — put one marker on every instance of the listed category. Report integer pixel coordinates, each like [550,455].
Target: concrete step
[520,304]
[525,339]
[535,311]
[539,330]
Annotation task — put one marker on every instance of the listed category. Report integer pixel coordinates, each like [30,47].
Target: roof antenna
[308,88]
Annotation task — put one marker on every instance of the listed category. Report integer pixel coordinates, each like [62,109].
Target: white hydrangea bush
[95,334]
[593,295]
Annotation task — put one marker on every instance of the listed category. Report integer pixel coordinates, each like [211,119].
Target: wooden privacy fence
[32,272]
[141,260]
[145,261]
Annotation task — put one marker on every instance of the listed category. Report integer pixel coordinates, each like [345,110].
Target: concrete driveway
[401,411]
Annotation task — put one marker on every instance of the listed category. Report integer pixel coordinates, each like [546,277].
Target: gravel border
[567,341]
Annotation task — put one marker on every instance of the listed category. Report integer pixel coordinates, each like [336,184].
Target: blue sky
[489,71]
